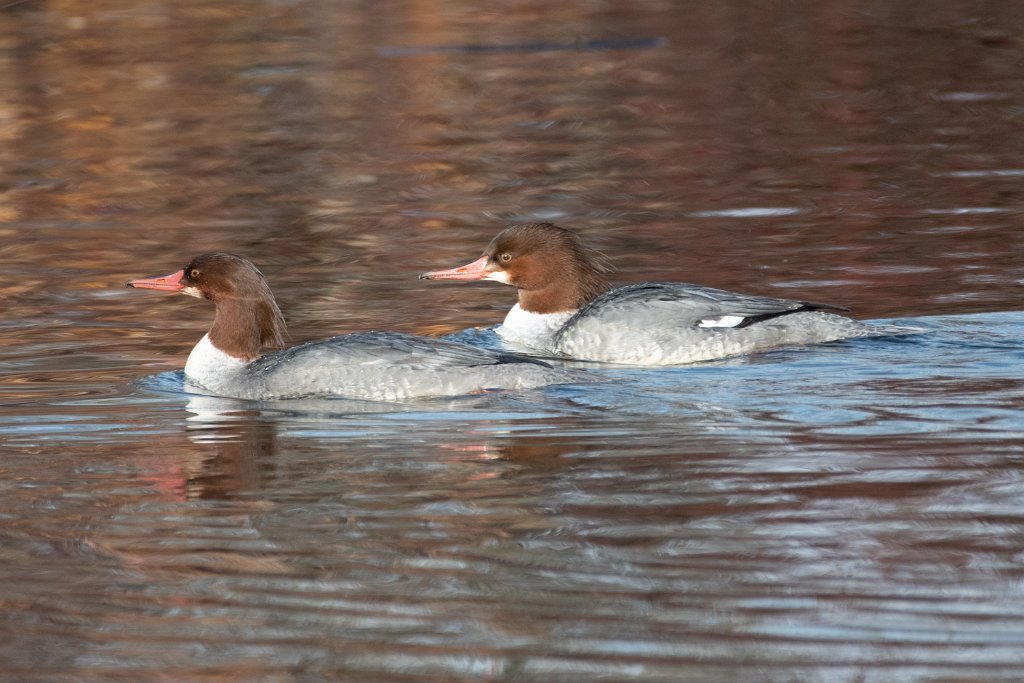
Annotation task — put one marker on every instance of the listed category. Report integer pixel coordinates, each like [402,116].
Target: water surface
[847,512]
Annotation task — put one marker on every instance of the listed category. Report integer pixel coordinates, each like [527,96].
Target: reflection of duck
[385,366]
[566,308]
[241,441]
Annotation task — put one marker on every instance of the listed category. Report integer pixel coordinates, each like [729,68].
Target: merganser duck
[566,309]
[380,366]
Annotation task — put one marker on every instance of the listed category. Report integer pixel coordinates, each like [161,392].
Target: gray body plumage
[386,366]
[666,323]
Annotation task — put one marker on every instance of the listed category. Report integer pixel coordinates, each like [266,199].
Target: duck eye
[505,257]
[193,274]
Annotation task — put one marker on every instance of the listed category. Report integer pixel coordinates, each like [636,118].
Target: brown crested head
[552,269]
[247,317]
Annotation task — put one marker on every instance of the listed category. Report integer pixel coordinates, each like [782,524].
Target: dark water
[850,512]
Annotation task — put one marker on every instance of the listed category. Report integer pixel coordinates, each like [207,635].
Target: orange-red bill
[476,270]
[166,283]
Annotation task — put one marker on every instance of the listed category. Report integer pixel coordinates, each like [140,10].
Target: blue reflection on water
[961,377]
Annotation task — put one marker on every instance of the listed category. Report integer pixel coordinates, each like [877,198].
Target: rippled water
[848,512]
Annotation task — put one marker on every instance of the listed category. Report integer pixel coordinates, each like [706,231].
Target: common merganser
[566,309]
[380,366]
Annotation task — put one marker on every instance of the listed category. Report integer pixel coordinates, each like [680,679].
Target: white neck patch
[210,367]
[534,330]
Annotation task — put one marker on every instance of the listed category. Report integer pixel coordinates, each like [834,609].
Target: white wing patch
[722,321]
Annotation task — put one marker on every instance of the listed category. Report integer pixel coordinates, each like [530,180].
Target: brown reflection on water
[878,145]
